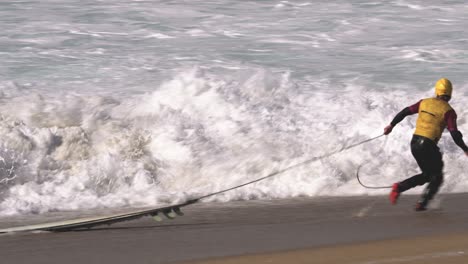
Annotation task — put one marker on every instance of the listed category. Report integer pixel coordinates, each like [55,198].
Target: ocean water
[111,103]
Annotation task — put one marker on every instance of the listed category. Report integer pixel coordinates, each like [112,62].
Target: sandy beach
[302,230]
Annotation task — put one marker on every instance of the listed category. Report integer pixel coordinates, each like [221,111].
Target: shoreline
[290,229]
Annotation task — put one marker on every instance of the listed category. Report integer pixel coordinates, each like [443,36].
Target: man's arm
[410,110]
[458,139]
[451,120]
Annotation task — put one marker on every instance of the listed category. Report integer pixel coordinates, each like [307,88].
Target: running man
[434,115]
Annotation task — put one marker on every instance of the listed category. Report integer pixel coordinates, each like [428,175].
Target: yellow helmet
[443,87]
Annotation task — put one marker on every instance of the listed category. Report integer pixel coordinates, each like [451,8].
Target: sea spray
[198,133]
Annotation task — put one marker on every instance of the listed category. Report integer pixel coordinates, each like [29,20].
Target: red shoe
[394,194]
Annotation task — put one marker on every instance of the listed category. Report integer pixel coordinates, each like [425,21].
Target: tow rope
[292,167]
[366,186]
[169,211]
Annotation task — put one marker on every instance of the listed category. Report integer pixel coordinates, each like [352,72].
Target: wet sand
[303,230]
[424,250]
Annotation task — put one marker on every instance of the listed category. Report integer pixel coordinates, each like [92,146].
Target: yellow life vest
[431,122]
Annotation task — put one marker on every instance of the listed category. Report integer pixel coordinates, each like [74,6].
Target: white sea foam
[198,133]
[159,36]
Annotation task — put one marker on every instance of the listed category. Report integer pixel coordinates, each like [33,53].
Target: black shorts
[428,156]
